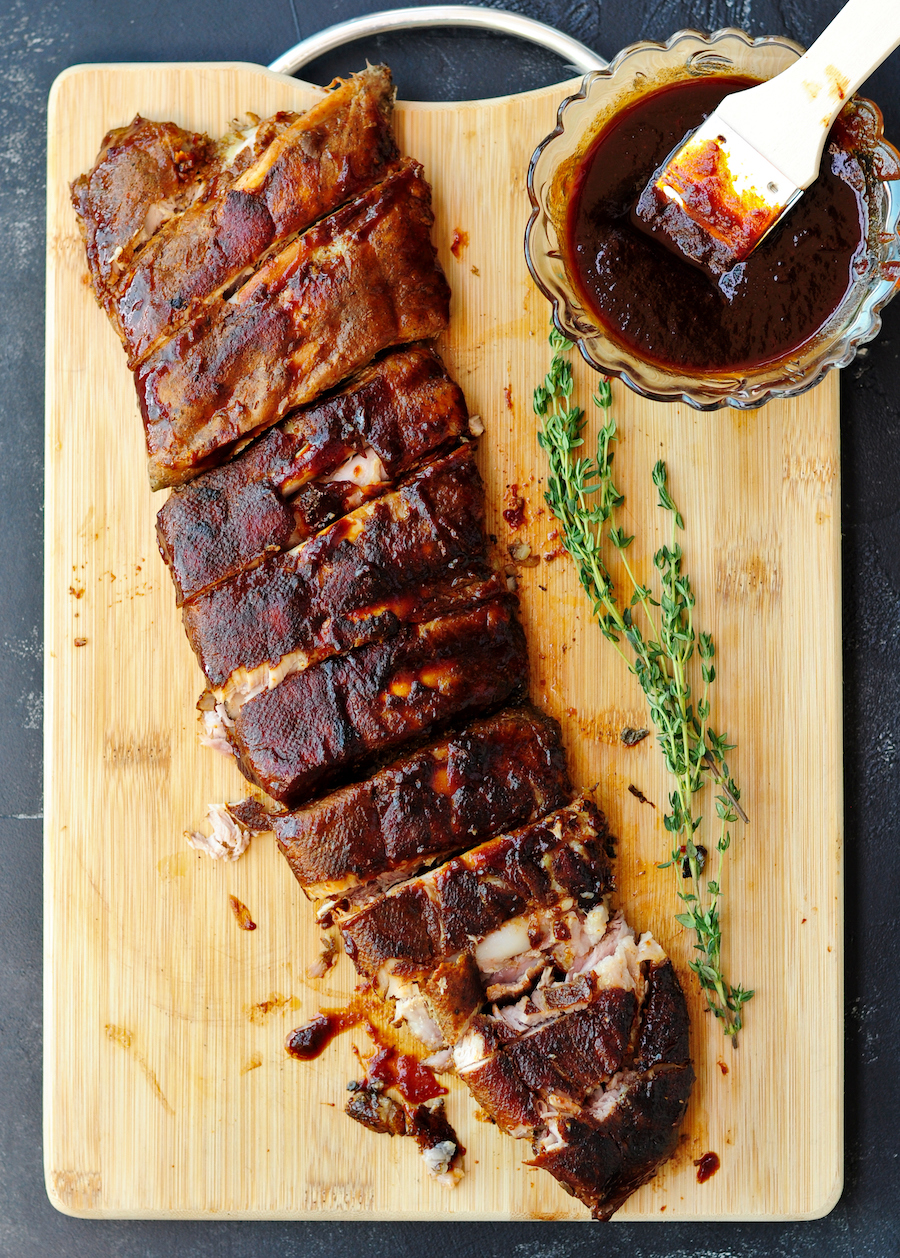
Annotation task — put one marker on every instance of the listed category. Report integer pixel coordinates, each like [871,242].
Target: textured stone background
[36,43]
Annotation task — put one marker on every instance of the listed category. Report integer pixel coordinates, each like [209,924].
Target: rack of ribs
[171,219]
[326,540]
[496,773]
[568,1030]
[318,465]
[249,276]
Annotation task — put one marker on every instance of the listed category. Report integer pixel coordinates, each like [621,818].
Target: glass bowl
[642,68]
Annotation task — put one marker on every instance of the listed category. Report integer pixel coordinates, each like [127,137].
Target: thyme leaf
[655,635]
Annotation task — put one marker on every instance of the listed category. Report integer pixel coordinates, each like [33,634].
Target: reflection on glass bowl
[643,68]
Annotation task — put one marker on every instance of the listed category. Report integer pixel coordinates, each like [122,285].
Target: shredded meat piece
[232,827]
[427,1124]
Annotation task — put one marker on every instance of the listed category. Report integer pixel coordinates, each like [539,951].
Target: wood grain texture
[167,1089]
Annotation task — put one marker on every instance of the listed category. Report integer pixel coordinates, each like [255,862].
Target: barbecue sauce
[309,1041]
[667,310]
[707,1166]
[387,1067]
[414,1082]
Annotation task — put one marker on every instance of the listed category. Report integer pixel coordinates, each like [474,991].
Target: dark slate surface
[36,43]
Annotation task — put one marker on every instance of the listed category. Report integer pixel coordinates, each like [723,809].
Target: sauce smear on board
[309,1041]
[707,1166]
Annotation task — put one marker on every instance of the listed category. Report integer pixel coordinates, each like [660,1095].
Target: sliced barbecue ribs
[325,535]
[356,283]
[246,277]
[316,466]
[340,717]
[392,561]
[496,773]
[568,1031]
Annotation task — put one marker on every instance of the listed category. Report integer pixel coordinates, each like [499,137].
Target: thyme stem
[582,496]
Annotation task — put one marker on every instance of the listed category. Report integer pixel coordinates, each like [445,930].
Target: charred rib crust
[495,774]
[469,905]
[405,407]
[340,147]
[406,926]
[376,1111]
[501,1092]
[358,282]
[138,167]
[576,1053]
[478,891]
[664,1032]
[185,262]
[343,714]
[455,993]
[355,582]
[594,1070]
[602,1164]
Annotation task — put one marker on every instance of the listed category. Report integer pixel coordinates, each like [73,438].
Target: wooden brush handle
[788,118]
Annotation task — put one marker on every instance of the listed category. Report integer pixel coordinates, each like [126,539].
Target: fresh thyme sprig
[663,639]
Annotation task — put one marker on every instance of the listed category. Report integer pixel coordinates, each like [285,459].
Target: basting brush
[737,175]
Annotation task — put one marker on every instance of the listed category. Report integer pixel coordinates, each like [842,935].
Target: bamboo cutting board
[168,1092]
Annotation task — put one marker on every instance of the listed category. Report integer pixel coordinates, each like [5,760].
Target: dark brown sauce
[666,309]
[310,1040]
[514,513]
[705,181]
[459,242]
[707,1166]
[415,1083]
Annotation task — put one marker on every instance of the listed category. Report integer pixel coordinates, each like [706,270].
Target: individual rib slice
[620,1140]
[592,1064]
[429,600]
[342,146]
[565,1037]
[144,173]
[496,773]
[391,561]
[559,860]
[340,716]
[358,282]
[294,480]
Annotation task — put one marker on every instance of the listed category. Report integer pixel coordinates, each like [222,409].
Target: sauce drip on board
[707,1166]
[414,1082]
[309,1041]
[241,913]
[656,303]
[387,1065]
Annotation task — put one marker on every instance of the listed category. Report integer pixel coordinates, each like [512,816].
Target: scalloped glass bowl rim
[835,346]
